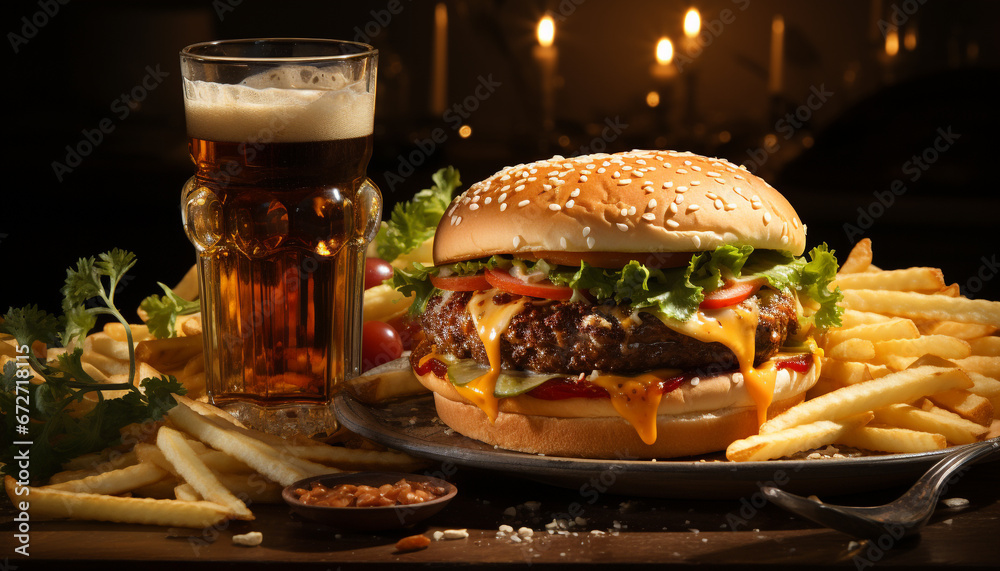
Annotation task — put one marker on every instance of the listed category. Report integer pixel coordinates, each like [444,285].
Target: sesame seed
[562,242]
[533,171]
[719,180]
[696,168]
[626,168]
[668,184]
[784,239]
[695,182]
[600,170]
[711,195]
[546,187]
[583,178]
[755,198]
[767,218]
[649,189]
[687,163]
[631,211]
[624,212]
[652,203]
[697,241]
[591,167]
[682,171]
[505,188]
[473,206]
[692,207]
[616,174]
[712,174]
[458,220]
[679,198]
[672,208]
[738,176]
[505,177]
[649,216]
[659,158]
[532,178]
[647,183]
[466,200]
[795,222]
[517,241]
[586,230]
[488,200]
[673,223]
[682,189]
[605,164]
[624,181]
[622,227]
[554,173]
[503,207]
[730,206]
[524,174]
[503,197]
[555,207]
[570,204]
[575,193]
[718,204]
[519,188]
[523,203]
[590,242]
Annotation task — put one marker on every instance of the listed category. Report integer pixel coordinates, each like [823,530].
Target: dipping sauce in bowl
[369,501]
[402,493]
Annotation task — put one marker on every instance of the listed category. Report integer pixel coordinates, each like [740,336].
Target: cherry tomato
[500,279]
[408,329]
[377,271]
[461,283]
[731,294]
[380,343]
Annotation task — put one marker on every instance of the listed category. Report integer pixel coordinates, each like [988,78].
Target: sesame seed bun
[694,419]
[639,201]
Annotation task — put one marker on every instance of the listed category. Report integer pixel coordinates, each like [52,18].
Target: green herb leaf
[162,311]
[413,222]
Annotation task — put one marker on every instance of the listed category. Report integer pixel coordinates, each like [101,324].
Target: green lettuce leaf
[413,222]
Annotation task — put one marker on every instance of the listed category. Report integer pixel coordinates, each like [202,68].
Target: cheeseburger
[647,304]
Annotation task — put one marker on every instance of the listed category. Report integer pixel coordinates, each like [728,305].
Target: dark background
[65,72]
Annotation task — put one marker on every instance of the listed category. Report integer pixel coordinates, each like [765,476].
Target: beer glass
[280,212]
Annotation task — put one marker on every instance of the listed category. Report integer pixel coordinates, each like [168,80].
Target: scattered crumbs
[955,502]
[511,511]
[563,554]
[599,532]
[250,539]
[705,540]
[438,535]
[525,532]
[694,531]
[505,529]
[456,533]
[580,521]
[853,545]
[616,524]
[948,521]
[687,522]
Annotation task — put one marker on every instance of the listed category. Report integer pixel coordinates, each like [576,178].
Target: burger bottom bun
[609,436]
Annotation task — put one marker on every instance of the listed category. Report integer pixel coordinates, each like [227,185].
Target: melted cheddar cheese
[491,321]
[636,398]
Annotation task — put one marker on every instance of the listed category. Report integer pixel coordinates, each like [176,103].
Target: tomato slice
[730,294]
[615,260]
[461,283]
[500,279]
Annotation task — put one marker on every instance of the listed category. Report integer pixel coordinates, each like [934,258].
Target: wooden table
[636,531]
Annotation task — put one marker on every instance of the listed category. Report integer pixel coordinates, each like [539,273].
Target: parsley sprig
[60,425]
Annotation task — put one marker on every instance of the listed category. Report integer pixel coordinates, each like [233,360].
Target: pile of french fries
[196,469]
[914,367]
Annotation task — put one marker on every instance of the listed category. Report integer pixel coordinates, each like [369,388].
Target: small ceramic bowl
[371,518]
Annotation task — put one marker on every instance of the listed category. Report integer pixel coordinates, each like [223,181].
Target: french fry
[215,460]
[853,318]
[170,353]
[190,324]
[259,456]
[921,306]
[186,492]
[939,345]
[904,386]
[962,330]
[357,459]
[895,440]
[989,366]
[116,481]
[845,372]
[852,350]
[927,280]
[187,464]
[965,404]
[392,380]
[952,290]
[883,331]
[957,431]
[102,461]
[57,504]
[859,259]
[105,345]
[382,303]
[985,346]
[116,331]
[985,387]
[187,288]
[793,439]
[103,363]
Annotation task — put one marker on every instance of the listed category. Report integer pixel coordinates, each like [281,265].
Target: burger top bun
[639,201]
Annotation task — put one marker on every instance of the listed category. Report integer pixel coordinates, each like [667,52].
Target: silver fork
[902,517]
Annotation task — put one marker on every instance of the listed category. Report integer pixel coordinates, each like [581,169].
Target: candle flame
[546,31]
[664,51]
[892,43]
[692,22]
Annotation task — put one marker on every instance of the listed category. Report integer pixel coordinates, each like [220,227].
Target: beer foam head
[284,105]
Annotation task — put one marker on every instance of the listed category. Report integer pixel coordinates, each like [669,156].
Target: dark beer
[280,211]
